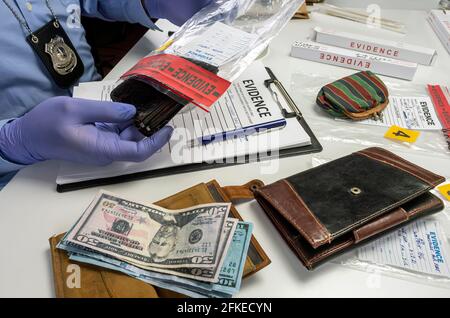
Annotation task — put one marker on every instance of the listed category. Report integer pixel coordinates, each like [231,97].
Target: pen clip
[294,110]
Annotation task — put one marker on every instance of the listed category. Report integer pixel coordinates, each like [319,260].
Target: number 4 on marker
[402,134]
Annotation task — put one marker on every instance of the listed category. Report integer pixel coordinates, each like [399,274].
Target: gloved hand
[176,11]
[65,128]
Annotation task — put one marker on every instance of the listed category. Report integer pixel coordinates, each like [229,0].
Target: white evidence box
[391,49]
[352,59]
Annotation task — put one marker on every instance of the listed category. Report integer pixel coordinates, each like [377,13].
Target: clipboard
[277,89]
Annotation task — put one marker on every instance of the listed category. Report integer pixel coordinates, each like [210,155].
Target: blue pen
[240,132]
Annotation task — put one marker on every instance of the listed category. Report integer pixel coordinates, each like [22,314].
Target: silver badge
[63,57]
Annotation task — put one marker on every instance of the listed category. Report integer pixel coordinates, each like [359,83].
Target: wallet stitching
[275,202]
[415,170]
[327,234]
[238,192]
[286,236]
[421,172]
[382,211]
[271,198]
[358,237]
[382,158]
[332,250]
[429,205]
[381,230]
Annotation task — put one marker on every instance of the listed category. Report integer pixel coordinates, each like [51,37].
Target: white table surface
[32,210]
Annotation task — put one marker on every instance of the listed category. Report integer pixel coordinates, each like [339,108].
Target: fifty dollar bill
[149,236]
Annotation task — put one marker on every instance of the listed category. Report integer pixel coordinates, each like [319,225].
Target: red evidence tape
[184,78]
[440,98]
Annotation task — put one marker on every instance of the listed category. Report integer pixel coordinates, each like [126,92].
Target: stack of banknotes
[198,251]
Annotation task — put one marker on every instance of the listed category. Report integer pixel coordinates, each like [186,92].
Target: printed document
[218,44]
[419,247]
[416,113]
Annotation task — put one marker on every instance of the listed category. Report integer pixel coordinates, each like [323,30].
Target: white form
[418,247]
[246,106]
[218,44]
[415,113]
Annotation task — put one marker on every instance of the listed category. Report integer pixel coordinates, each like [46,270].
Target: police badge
[63,57]
[57,53]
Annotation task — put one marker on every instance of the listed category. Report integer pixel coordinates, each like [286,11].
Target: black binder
[294,111]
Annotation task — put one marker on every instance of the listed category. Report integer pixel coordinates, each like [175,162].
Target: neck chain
[24,23]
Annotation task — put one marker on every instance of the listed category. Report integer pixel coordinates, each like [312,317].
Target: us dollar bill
[230,275]
[87,255]
[232,269]
[150,236]
[209,274]
[206,274]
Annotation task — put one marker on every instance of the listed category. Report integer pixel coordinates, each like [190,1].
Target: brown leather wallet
[103,283]
[331,208]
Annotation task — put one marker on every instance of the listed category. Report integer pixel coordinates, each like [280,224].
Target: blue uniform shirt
[24,81]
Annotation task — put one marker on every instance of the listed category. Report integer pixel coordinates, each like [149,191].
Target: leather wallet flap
[384,222]
[243,192]
[391,159]
[426,203]
[283,199]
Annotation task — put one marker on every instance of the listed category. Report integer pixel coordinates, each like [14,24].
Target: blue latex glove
[176,11]
[72,129]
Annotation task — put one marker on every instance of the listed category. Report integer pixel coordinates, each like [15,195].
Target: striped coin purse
[359,96]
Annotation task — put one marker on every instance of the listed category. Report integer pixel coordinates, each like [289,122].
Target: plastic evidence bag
[200,60]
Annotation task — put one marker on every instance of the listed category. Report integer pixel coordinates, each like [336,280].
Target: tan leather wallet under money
[96,282]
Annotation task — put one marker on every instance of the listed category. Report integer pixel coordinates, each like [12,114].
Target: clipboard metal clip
[294,110]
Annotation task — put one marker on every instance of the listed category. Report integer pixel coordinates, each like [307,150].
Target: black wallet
[155,105]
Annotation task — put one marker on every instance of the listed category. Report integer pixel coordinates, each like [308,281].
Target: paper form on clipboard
[246,108]
[291,136]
